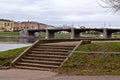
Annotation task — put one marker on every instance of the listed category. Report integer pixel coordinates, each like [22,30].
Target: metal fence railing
[103,53]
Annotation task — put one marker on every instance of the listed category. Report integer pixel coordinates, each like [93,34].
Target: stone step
[49,53]
[32,68]
[43,59]
[64,45]
[37,65]
[51,50]
[44,47]
[41,62]
[47,56]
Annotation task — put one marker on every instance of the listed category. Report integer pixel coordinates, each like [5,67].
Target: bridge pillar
[74,34]
[106,33]
[24,33]
[36,34]
[49,34]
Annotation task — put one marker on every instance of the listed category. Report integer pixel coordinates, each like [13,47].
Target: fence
[103,53]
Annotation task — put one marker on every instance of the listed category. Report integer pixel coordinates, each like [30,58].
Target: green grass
[7,56]
[93,64]
[100,47]
[115,36]
[62,35]
[91,36]
[9,34]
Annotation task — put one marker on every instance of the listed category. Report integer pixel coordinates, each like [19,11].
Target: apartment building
[6,25]
[28,25]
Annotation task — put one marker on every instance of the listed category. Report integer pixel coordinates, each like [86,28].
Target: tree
[114,5]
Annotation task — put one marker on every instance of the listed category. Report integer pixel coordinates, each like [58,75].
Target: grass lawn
[101,47]
[62,35]
[7,56]
[9,34]
[93,64]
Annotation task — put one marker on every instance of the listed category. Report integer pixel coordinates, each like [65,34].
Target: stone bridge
[75,33]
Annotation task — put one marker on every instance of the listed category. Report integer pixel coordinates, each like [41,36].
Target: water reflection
[17,40]
[7,43]
[4,47]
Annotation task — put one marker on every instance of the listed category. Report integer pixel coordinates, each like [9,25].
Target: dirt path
[18,74]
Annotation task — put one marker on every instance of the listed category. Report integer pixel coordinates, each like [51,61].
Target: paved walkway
[18,74]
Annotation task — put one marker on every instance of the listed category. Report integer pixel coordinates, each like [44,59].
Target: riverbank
[7,56]
[93,64]
[8,46]
[81,64]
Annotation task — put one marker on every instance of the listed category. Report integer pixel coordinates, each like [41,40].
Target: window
[5,24]
[8,24]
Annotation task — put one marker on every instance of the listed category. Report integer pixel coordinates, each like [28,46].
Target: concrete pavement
[18,74]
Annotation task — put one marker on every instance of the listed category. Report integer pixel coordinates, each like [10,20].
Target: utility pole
[104,24]
[110,24]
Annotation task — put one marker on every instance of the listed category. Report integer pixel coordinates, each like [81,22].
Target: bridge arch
[91,34]
[62,34]
[115,34]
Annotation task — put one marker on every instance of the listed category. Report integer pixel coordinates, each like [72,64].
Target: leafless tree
[114,5]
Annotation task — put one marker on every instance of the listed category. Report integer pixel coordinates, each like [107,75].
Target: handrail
[22,54]
[71,52]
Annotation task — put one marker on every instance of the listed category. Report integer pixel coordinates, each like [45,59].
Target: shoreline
[17,37]
[14,43]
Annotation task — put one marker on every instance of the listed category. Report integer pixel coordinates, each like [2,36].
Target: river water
[12,43]
[4,47]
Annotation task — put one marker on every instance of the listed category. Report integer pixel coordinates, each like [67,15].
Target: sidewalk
[18,74]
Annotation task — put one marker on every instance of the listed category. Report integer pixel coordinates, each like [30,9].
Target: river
[4,47]
[12,43]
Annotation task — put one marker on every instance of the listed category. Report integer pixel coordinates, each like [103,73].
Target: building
[50,27]
[28,25]
[6,25]
[42,26]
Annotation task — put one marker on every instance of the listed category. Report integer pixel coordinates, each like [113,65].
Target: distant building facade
[6,25]
[28,25]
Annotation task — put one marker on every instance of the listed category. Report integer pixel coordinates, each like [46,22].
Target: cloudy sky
[59,12]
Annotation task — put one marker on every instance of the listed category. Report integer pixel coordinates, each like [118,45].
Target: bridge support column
[24,33]
[107,34]
[36,34]
[74,34]
[49,34]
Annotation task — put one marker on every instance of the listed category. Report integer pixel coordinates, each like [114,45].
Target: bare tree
[114,5]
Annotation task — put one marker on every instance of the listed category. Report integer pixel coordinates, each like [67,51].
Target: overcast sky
[58,12]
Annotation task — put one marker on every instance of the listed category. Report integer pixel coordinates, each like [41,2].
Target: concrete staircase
[45,56]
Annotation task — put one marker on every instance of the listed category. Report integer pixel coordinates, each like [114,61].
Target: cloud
[57,11]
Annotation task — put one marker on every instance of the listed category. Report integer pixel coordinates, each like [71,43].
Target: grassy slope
[93,64]
[101,47]
[7,56]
